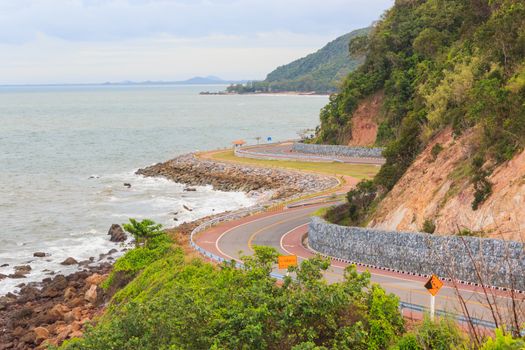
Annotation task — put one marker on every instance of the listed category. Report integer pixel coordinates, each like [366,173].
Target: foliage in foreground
[175,304]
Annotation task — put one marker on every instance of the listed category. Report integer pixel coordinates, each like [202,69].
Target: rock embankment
[52,311]
[190,170]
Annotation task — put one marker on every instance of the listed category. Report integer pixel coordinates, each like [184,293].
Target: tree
[143,231]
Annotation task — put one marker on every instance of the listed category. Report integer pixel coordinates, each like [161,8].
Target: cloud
[98,40]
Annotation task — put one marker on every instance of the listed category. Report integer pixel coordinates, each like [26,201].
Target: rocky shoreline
[56,309]
[278,183]
[59,307]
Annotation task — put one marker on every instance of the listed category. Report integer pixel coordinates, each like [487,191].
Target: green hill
[455,64]
[320,72]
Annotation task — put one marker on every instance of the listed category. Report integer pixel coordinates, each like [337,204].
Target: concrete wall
[334,150]
[501,263]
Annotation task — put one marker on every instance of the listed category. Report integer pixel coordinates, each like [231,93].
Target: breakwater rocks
[337,150]
[53,310]
[500,263]
[193,171]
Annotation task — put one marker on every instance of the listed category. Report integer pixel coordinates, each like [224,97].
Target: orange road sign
[433,285]
[287,260]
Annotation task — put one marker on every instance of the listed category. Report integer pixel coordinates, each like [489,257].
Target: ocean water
[65,152]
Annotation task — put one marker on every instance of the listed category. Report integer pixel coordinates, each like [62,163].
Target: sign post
[433,286]
[287,260]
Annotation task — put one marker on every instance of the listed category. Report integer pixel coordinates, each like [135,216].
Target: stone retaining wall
[501,263]
[336,150]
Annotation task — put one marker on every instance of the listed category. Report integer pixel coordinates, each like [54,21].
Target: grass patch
[321,212]
[358,171]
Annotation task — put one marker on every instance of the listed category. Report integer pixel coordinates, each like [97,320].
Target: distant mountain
[208,80]
[321,71]
[205,80]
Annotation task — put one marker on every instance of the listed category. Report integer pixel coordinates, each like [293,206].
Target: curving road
[285,230]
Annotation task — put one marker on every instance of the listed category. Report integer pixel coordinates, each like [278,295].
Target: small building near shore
[238,143]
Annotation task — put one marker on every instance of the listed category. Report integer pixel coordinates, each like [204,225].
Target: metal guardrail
[423,309]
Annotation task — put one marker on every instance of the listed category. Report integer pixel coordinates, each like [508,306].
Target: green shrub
[482,186]
[173,304]
[503,341]
[436,150]
[429,226]
[135,260]
[360,200]
[443,334]
[143,231]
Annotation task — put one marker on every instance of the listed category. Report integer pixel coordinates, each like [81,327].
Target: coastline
[281,93]
[59,307]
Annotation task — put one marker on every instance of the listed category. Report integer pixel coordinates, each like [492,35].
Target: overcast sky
[85,41]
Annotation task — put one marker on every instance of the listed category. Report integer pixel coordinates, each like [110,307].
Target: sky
[91,41]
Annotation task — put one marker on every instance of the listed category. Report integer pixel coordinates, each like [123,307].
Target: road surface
[285,230]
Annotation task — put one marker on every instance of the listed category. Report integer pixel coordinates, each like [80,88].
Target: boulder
[39,254]
[69,261]
[76,334]
[41,334]
[17,275]
[117,233]
[95,279]
[63,334]
[59,311]
[69,293]
[91,294]
[23,269]
[56,287]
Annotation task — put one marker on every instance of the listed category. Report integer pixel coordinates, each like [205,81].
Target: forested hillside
[319,72]
[454,66]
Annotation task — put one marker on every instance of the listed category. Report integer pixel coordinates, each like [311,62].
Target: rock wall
[336,150]
[501,263]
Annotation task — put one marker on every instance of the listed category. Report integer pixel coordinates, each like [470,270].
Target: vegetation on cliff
[454,63]
[320,72]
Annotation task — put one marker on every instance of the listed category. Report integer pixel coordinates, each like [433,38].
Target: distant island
[320,72]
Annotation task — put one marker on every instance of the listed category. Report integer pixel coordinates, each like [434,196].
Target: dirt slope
[364,121]
[440,190]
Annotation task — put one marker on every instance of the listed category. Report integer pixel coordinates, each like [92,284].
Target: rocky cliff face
[437,188]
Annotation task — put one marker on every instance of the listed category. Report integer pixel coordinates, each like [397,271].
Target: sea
[66,152]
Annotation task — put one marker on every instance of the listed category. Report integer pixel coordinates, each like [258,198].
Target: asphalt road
[284,231]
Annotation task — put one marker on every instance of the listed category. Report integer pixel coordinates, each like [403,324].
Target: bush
[436,150]
[503,341]
[135,260]
[360,199]
[429,226]
[443,334]
[174,304]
